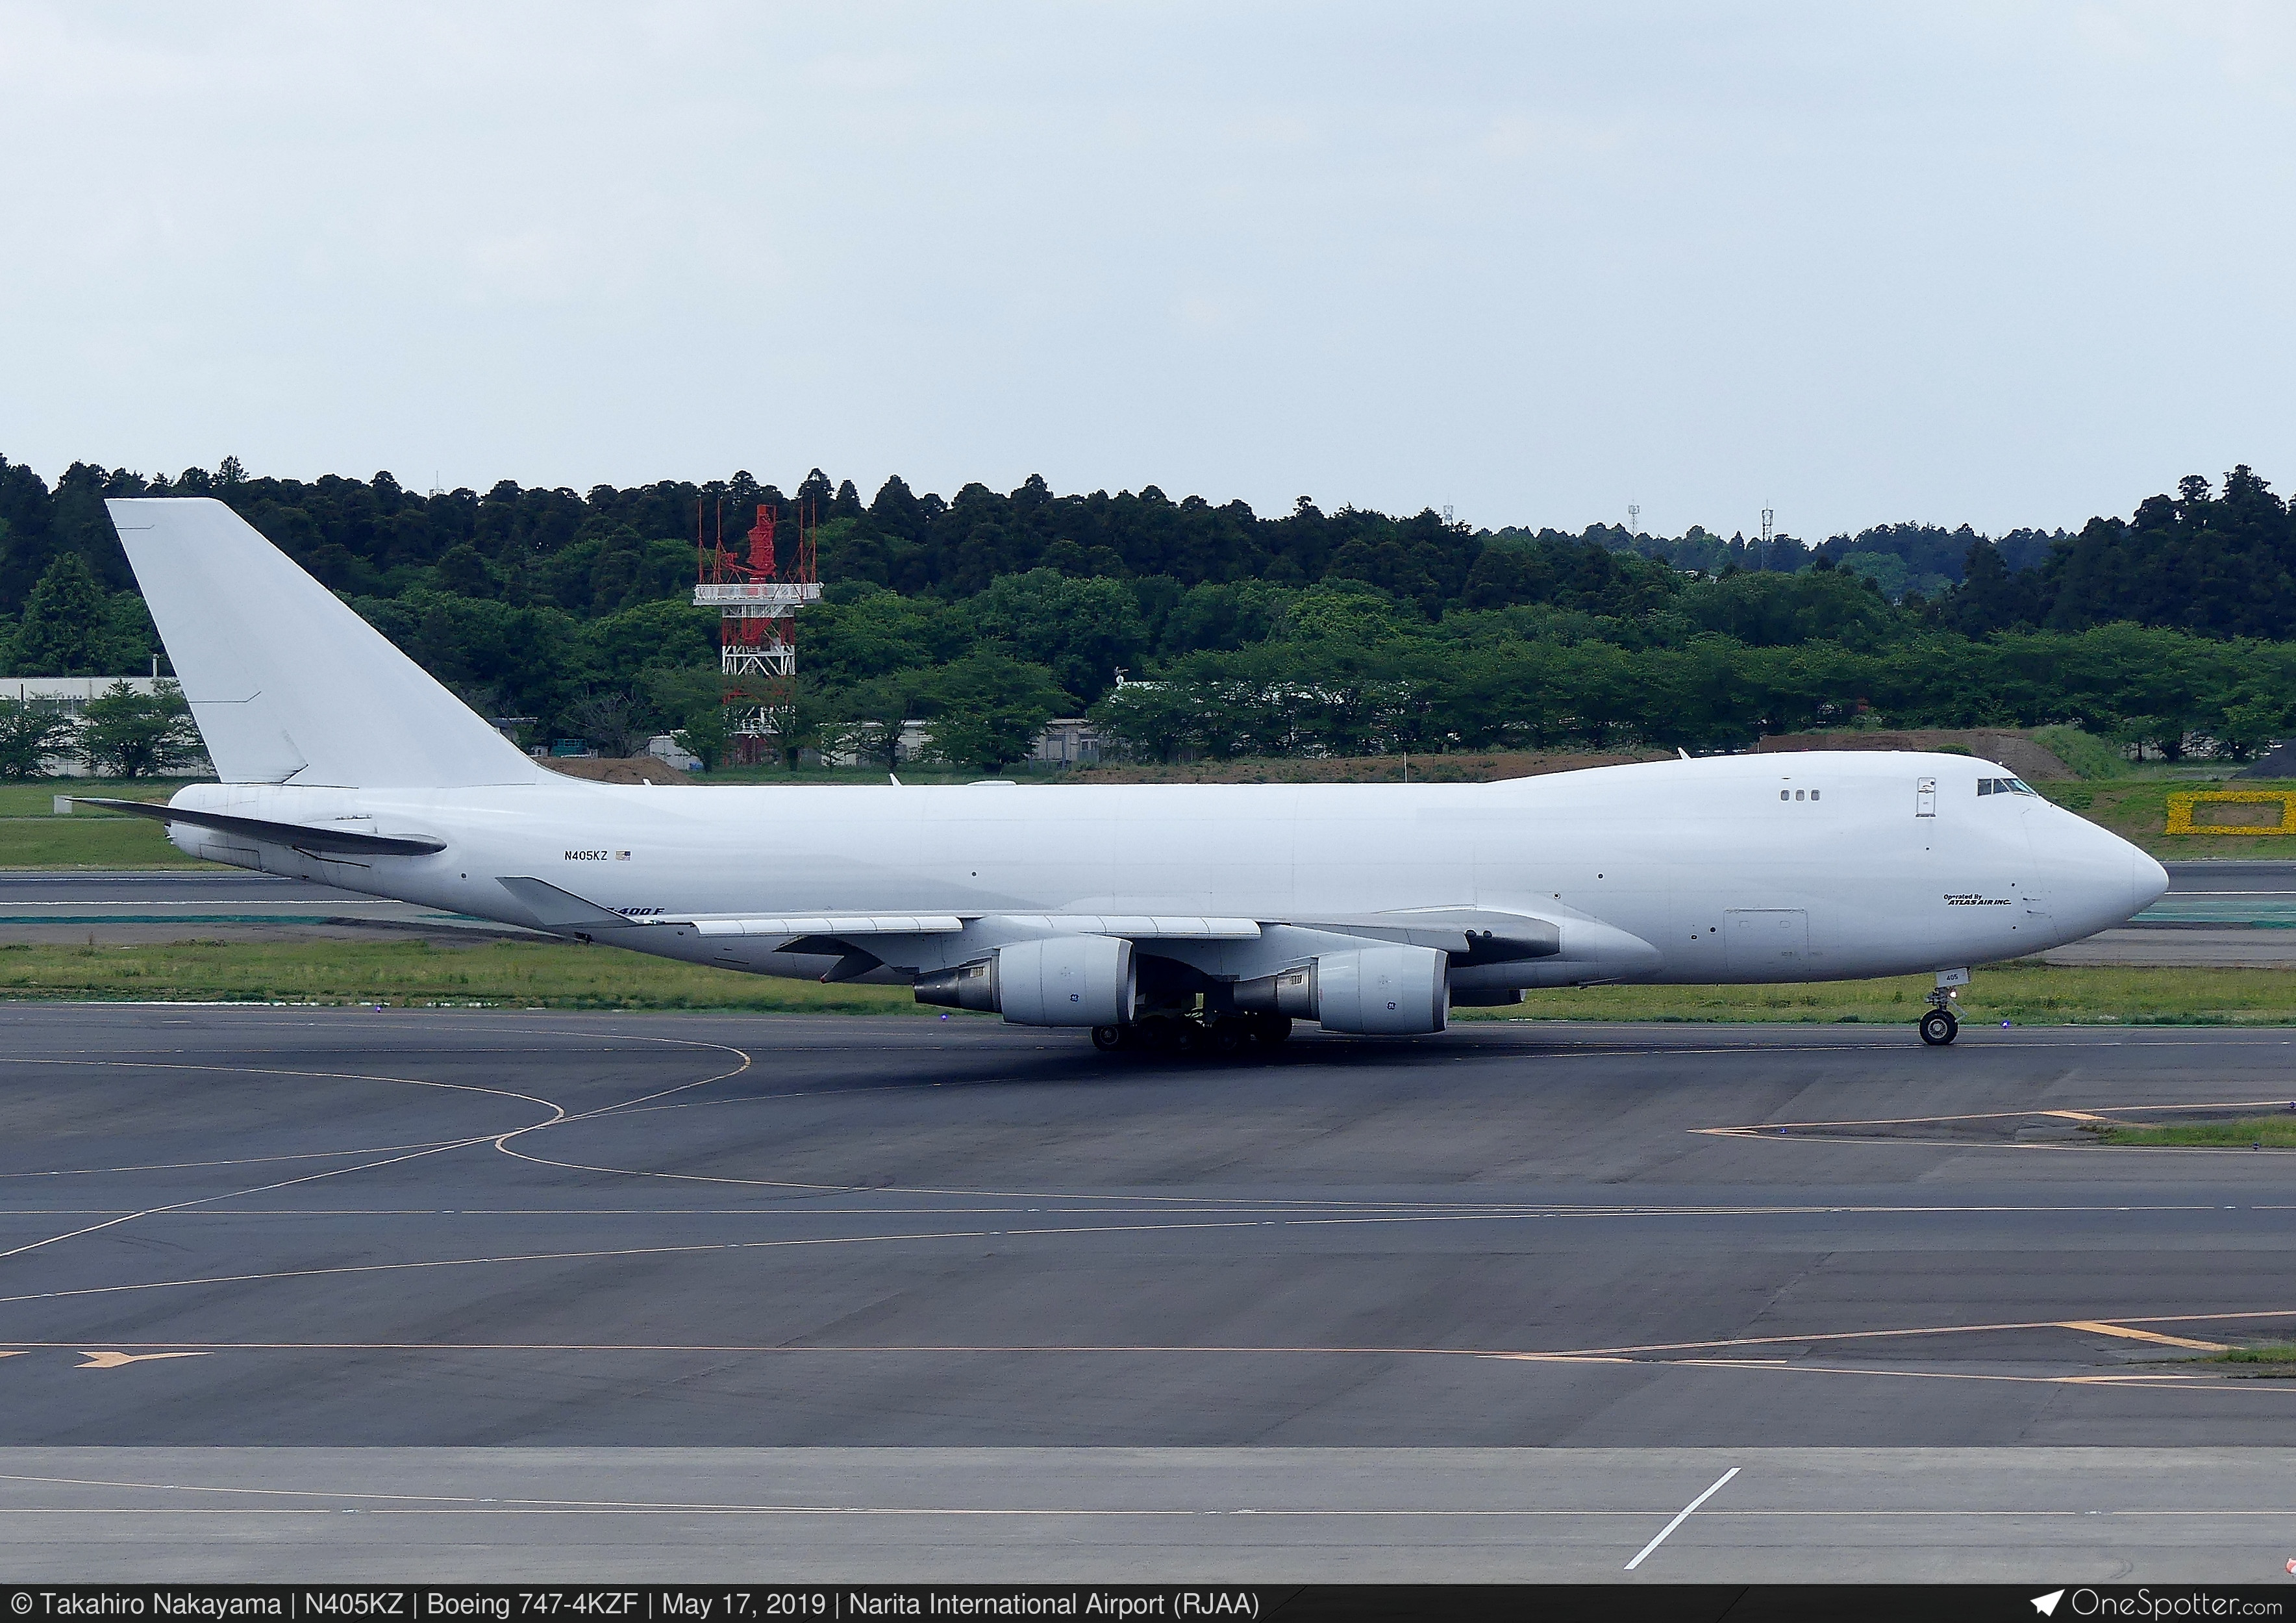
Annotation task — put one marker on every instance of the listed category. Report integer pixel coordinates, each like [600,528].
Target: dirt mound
[2015,750]
[1486,767]
[624,769]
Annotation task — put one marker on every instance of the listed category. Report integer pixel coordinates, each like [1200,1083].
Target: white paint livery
[1375,905]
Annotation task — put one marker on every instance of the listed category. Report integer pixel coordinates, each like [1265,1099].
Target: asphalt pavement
[1485,1305]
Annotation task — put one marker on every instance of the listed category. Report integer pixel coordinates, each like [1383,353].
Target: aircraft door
[1925,798]
[1767,943]
[2036,895]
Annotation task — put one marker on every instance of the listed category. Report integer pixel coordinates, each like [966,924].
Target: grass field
[549,974]
[32,836]
[545,974]
[2272,1132]
[2025,994]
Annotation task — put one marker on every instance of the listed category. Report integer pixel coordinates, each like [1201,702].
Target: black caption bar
[769,1602]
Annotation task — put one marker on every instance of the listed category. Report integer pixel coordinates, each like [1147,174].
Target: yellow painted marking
[114,1360]
[2099,1327]
[2081,1116]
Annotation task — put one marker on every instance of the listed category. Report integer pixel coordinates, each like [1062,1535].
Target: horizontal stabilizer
[301,837]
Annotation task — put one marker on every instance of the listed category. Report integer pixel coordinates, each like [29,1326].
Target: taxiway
[1548,1248]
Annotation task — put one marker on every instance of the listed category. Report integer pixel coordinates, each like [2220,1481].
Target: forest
[1311,632]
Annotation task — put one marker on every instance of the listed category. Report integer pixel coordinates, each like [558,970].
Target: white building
[69,694]
[1067,741]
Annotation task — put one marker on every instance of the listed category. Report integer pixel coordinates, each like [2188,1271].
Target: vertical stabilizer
[288,684]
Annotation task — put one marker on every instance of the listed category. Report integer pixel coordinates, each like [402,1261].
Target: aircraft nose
[2148,881]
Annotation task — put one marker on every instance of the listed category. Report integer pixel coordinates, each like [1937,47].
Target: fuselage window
[1783,796]
[1813,794]
[1797,794]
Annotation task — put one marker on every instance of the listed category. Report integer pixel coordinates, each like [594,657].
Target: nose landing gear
[1938,1026]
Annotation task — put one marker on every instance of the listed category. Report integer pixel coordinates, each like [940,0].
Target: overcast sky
[1994,263]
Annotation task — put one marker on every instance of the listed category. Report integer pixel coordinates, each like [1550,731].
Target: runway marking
[1208,1205]
[2278,1102]
[2098,1327]
[557,1112]
[1682,1516]
[2141,1381]
[1630,1354]
[120,1360]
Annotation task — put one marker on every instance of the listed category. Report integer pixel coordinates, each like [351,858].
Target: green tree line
[989,612]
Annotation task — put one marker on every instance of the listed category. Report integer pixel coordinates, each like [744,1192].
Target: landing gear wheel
[1940,1027]
[1108,1039]
[1158,1034]
[1228,1037]
[1192,1039]
[1271,1029]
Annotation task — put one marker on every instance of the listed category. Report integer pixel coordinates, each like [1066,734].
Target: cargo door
[1767,943]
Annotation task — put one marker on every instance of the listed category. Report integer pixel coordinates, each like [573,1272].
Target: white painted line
[1682,1516]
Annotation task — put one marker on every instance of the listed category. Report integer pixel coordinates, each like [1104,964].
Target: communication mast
[757,599]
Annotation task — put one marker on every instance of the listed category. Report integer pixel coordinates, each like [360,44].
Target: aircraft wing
[557,909]
[1470,935]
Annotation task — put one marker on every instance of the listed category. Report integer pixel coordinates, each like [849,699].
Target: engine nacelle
[1065,981]
[1378,991]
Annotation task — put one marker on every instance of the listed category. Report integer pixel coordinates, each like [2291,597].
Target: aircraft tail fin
[287,683]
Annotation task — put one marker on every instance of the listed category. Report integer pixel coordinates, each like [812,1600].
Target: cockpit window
[2005,786]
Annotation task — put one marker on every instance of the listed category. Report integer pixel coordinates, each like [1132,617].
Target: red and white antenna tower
[756,602]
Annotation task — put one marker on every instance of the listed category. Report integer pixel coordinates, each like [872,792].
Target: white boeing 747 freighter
[1202,916]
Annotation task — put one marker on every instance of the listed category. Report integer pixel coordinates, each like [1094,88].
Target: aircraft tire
[1271,1029]
[1940,1027]
[1108,1039]
[1228,1037]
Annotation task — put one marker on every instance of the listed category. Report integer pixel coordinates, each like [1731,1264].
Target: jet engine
[1378,991]
[1065,981]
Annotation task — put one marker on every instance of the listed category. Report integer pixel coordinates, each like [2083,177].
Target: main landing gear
[1221,1036]
[1938,1026]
